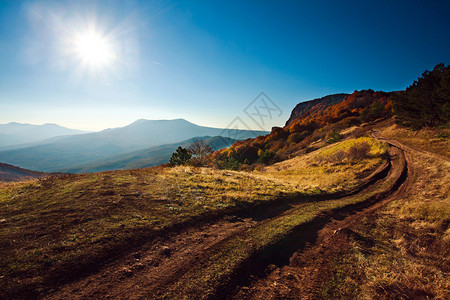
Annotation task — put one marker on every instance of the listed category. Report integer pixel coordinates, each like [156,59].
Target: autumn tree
[200,151]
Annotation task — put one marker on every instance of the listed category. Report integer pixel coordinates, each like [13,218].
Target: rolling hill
[66,152]
[9,173]
[145,158]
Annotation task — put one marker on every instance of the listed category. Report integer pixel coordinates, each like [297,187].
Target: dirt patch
[152,267]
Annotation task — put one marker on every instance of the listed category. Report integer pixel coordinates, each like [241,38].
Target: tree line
[426,102]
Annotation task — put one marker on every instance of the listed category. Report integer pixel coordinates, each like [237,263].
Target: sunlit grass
[312,172]
[403,251]
[61,226]
[377,148]
[222,264]
[432,140]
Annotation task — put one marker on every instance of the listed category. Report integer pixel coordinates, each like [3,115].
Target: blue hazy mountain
[17,133]
[61,153]
[147,157]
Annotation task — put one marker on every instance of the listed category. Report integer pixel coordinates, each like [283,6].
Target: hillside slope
[9,173]
[311,126]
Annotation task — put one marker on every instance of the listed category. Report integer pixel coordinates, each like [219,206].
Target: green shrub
[333,137]
[265,156]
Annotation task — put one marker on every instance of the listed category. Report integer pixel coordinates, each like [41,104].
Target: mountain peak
[140,121]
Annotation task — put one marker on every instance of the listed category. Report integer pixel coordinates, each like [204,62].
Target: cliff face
[312,106]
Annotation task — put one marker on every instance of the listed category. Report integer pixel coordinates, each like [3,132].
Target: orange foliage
[361,106]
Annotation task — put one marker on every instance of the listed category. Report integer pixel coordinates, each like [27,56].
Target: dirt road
[156,268]
[309,268]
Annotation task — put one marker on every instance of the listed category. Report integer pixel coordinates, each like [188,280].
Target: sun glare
[93,49]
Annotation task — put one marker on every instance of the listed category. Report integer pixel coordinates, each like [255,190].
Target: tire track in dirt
[308,268]
[148,271]
[153,265]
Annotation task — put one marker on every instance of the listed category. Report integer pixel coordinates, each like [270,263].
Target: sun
[93,49]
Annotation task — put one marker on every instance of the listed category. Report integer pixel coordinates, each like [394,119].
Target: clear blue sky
[206,60]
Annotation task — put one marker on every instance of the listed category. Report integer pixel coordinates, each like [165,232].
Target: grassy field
[332,169]
[432,140]
[56,229]
[268,237]
[403,250]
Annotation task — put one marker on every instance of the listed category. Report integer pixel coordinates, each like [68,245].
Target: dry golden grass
[270,234]
[313,172]
[403,251]
[416,228]
[432,140]
[56,229]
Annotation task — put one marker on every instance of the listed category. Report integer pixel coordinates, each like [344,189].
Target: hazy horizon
[41,124]
[92,65]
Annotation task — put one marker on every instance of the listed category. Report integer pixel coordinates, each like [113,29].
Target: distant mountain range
[16,133]
[10,173]
[66,152]
[147,157]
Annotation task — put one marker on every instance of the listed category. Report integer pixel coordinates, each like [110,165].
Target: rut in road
[156,268]
[303,276]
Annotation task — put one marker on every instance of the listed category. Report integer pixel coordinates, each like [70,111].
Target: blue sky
[205,61]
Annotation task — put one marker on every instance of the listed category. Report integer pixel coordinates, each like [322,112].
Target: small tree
[181,156]
[200,151]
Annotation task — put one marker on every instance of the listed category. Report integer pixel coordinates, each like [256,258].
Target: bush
[265,156]
[350,121]
[333,137]
[337,157]
[294,138]
[231,164]
[359,151]
[372,112]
